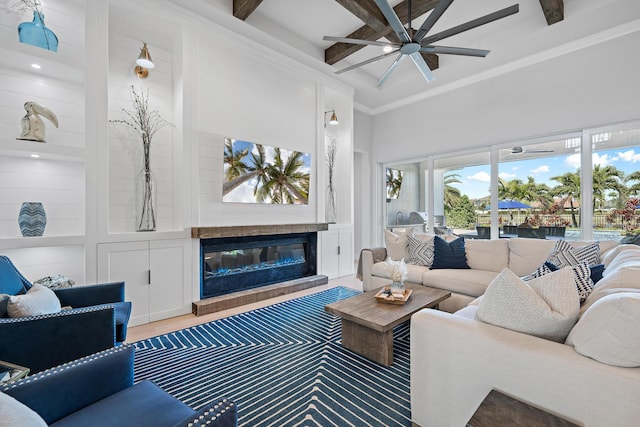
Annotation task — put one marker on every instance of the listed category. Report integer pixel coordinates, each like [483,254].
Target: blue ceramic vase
[32,219]
[37,34]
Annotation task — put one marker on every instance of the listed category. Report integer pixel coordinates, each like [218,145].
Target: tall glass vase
[146,200]
[37,34]
[330,206]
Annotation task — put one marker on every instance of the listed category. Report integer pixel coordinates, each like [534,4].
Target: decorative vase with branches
[145,122]
[331,209]
[36,33]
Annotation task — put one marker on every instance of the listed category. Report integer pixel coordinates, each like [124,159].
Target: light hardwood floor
[137,333]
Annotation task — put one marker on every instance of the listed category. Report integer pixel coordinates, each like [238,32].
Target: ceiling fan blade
[423,67]
[503,13]
[392,67]
[368,61]
[433,17]
[359,41]
[393,20]
[447,50]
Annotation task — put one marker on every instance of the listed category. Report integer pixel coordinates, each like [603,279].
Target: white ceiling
[515,41]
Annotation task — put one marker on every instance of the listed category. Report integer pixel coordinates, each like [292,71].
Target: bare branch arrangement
[29,5]
[331,159]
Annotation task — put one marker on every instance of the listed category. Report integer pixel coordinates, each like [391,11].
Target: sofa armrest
[41,342]
[456,362]
[368,257]
[85,296]
[63,390]
[221,413]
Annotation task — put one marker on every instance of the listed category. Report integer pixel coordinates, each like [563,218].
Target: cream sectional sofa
[486,258]
[592,379]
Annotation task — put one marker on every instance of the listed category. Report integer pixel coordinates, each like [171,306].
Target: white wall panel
[36,263]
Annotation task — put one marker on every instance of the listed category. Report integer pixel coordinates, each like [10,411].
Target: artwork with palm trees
[255,173]
[394,183]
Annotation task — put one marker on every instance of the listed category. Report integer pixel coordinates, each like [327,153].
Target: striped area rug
[283,365]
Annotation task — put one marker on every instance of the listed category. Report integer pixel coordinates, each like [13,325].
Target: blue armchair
[97,321]
[98,390]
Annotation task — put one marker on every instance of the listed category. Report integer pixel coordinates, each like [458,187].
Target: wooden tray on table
[384,295]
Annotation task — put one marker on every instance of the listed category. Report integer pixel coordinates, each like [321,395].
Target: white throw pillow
[14,413]
[609,331]
[546,307]
[38,300]
[397,245]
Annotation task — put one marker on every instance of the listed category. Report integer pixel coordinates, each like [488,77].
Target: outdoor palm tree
[451,194]
[633,189]
[540,193]
[569,189]
[511,190]
[607,178]
[286,182]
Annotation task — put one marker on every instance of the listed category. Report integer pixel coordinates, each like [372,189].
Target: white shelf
[41,241]
[21,148]
[136,236]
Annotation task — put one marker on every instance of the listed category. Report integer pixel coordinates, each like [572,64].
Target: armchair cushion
[38,300]
[143,404]
[11,281]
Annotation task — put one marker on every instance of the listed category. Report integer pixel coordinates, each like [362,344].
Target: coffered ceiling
[541,30]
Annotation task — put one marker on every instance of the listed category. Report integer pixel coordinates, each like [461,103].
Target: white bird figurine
[32,124]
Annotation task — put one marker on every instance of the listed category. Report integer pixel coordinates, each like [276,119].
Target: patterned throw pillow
[449,254]
[564,254]
[421,249]
[581,277]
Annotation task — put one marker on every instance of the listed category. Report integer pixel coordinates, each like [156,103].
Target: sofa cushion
[38,300]
[546,307]
[11,280]
[467,282]
[15,413]
[414,272]
[525,255]
[421,249]
[622,277]
[449,254]
[142,404]
[4,302]
[581,276]
[491,255]
[397,245]
[609,331]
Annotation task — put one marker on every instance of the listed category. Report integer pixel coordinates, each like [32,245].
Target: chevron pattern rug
[283,365]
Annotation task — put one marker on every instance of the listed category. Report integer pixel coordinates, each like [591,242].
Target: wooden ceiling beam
[243,8]
[340,51]
[367,12]
[553,10]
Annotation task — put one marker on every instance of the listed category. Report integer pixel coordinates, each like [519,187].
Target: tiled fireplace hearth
[246,261]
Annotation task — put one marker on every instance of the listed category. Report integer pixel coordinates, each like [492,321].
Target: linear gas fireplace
[231,264]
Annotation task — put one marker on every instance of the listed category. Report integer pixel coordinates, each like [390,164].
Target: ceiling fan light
[388,48]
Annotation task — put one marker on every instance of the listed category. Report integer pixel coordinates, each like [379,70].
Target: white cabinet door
[337,252]
[169,294]
[128,262]
[330,261]
[155,276]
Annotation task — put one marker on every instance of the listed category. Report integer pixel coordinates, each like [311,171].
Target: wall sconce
[144,62]
[333,120]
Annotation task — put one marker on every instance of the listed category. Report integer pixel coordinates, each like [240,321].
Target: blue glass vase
[37,34]
[32,219]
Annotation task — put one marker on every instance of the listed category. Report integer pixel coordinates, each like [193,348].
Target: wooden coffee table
[367,325]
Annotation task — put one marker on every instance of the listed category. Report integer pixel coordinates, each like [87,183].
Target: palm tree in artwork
[569,189]
[394,183]
[286,182]
[243,166]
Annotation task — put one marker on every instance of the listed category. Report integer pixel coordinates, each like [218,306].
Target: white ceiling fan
[413,42]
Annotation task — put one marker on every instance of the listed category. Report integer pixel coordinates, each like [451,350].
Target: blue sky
[476,179]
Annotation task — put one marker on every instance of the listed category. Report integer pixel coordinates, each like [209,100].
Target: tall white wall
[590,87]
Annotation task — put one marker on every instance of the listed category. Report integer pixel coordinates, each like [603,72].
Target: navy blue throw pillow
[596,270]
[449,254]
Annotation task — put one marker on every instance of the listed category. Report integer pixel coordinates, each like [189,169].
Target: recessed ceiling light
[35,156]
[36,66]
